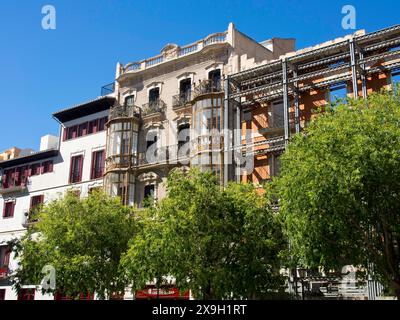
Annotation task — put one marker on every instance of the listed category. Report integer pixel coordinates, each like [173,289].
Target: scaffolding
[350,60]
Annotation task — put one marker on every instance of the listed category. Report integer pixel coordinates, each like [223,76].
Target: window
[47,166]
[215,77]
[72,132]
[154,95]
[35,169]
[93,125]
[102,123]
[76,169]
[36,201]
[129,101]
[149,191]
[4,256]
[8,210]
[338,92]
[2,294]
[26,294]
[183,135]
[98,159]
[185,90]
[82,129]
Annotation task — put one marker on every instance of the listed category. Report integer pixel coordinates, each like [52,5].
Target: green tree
[83,239]
[218,243]
[339,189]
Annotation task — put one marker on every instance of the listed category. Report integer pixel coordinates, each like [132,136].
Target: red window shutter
[65,134]
[93,166]
[4,180]
[71,169]
[6,259]
[50,169]
[80,167]
[12,209]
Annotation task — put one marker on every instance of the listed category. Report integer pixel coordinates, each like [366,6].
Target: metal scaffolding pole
[296,101]
[237,138]
[353,68]
[363,76]
[227,139]
[285,100]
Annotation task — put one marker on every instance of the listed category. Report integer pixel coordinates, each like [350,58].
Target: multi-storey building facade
[178,109]
[111,142]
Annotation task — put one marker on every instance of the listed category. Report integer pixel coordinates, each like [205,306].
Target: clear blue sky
[44,71]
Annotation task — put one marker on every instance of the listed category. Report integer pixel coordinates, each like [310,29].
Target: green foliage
[82,239]
[218,243]
[339,189]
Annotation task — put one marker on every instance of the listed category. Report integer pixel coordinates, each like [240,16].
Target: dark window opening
[154,95]
[93,125]
[215,77]
[185,89]
[148,191]
[76,169]
[183,134]
[98,161]
[47,166]
[82,129]
[129,101]
[8,211]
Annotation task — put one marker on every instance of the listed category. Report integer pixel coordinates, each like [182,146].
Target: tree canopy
[339,189]
[82,239]
[220,243]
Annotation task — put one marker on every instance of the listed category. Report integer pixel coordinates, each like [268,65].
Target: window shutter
[50,169]
[65,134]
[80,167]
[6,259]
[12,209]
[4,180]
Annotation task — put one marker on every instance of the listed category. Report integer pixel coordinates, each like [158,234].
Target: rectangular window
[337,92]
[26,294]
[36,201]
[4,256]
[35,169]
[47,166]
[98,159]
[93,126]
[72,132]
[82,129]
[76,169]
[149,191]
[8,210]
[102,123]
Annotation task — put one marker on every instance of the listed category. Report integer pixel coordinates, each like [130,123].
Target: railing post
[353,68]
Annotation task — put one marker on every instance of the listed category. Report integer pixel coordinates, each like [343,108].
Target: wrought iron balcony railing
[156,106]
[181,99]
[124,111]
[207,86]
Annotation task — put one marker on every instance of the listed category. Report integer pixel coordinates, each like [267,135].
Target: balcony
[14,186]
[219,38]
[29,218]
[207,87]
[153,108]
[166,154]
[123,111]
[181,100]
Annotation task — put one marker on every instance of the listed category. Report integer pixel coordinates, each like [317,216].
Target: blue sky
[44,71]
